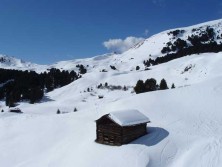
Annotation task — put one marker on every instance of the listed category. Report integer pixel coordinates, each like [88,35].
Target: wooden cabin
[121,127]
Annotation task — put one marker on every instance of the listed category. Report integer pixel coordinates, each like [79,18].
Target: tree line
[202,43]
[151,85]
[26,85]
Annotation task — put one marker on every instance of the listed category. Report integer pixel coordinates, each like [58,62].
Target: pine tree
[113,67]
[2,93]
[58,111]
[49,83]
[9,101]
[100,85]
[36,94]
[139,88]
[150,85]
[75,109]
[163,84]
[73,75]
[2,110]
[173,86]
[82,69]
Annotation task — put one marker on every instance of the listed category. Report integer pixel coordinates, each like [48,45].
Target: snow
[186,127]
[9,62]
[128,117]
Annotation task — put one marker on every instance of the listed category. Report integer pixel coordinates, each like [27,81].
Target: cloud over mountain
[121,45]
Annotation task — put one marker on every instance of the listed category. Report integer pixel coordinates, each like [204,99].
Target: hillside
[185,128]
[151,48]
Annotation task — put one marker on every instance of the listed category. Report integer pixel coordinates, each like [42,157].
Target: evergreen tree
[113,67]
[82,69]
[173,86]
[100,85]
[75,109]
[9,101]
[2,93]
[36,94]
[150,85]
[58,111]
[49,83]
[139,88]
[163,84]
[73,75]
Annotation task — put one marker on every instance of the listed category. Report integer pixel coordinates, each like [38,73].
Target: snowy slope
[149,48]
[185,128]
[9,62]
[127,61]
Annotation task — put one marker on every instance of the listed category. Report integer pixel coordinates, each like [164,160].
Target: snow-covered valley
[185,128]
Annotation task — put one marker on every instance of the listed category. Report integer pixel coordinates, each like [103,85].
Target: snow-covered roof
[128,117]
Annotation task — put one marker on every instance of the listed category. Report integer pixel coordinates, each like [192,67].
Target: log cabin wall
[109,134]
[131,133]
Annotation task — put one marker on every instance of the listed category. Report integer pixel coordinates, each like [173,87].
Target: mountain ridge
[149,48]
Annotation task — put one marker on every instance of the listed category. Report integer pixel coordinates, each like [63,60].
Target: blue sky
[46,31]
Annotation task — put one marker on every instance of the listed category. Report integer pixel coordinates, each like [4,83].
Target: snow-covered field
[185,128]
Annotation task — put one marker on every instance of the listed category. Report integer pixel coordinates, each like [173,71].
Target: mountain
[185,128]
[190,40]
[9,62]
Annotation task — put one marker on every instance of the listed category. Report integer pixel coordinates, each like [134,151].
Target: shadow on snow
[46,99]
[154,136]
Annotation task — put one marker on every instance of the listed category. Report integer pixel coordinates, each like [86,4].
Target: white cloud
[121,45]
